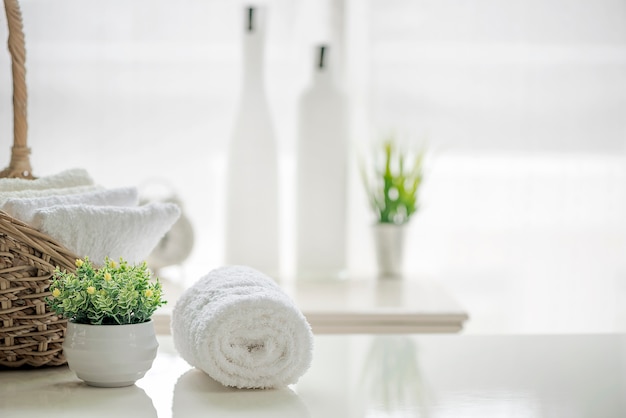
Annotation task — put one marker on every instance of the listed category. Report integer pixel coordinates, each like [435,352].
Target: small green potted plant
[110,339]
[392,184]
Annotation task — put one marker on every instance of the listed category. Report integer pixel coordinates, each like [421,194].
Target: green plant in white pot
[392,182]
[110,339]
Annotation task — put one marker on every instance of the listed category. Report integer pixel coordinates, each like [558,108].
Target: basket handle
[20,161]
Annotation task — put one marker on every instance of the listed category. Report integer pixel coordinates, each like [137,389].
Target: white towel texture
[24,208]
[239,327]
[29,194]
[113,231]
[68,178]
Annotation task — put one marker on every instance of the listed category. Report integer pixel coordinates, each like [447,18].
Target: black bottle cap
[321,63]
[250,19]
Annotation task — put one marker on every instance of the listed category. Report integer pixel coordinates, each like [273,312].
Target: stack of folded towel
[69,178]
[24,208]
[88,219]
[239,327]
[69,182]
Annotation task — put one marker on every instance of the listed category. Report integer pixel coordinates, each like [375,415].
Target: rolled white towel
[24,208]
[68,178]
[29,194]
[113,231]
[239,327]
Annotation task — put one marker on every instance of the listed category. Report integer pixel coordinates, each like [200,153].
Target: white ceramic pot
[110,355]
[389,244]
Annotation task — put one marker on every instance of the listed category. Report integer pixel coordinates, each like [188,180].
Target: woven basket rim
[31,335]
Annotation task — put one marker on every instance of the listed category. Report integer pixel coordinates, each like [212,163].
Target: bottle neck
[254,49]
[253,58]
[323,76]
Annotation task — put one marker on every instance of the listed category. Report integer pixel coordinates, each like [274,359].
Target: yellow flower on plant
[112,264]
[56,293]
[79,262]
[91,290]
[148,293]
[107,276]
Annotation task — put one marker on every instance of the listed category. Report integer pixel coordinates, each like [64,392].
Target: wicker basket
[30,335]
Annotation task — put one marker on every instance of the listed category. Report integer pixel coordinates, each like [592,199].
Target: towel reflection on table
[198,395]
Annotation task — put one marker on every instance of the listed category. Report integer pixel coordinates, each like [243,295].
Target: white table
[372,306]
[363,376]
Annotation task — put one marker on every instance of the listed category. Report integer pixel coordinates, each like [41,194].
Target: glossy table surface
[565,376]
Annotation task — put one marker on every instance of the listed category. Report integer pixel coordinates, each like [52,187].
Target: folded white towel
[68,178]
[239,327]
[113,231]
[28,194]
[25,208]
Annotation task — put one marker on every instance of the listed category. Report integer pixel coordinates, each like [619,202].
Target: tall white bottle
[252,227]
[322,149]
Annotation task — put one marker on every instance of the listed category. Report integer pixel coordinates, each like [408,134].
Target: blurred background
[521,105]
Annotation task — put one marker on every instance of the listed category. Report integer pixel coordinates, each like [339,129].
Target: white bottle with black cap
[252,227]
[321,175]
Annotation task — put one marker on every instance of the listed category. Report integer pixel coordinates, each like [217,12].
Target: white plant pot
[389,245]
[110,355]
